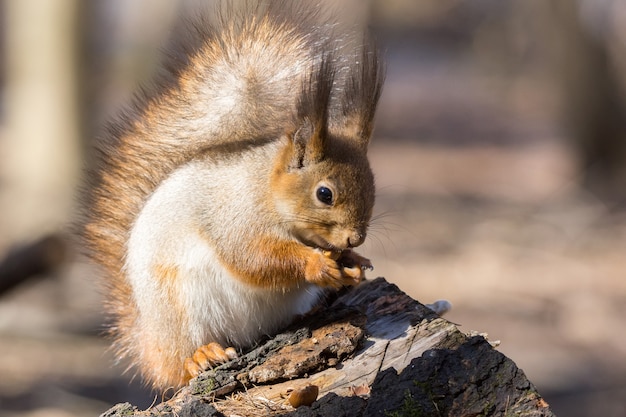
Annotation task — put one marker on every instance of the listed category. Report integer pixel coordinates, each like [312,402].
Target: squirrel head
[322,184]
[324,195]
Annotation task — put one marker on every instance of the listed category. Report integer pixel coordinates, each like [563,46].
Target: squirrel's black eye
[325,195]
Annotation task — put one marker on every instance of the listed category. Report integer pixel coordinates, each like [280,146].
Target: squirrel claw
[206,357]
[366,264]
[337,269]
[351,259]
[354,265]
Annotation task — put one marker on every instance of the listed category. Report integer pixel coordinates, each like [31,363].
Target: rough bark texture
[373,351]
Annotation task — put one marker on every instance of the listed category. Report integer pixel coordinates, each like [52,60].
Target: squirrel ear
[362,92]
[310,137]
[308,144]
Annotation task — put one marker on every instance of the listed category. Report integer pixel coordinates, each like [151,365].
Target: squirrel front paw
[206,357]
[336,269]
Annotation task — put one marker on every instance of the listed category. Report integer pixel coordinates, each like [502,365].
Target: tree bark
[372,351]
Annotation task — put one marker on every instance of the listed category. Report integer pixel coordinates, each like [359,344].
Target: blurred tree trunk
[593,105]
[40,144]
[120,50]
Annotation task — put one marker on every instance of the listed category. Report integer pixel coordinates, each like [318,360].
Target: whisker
[309,220]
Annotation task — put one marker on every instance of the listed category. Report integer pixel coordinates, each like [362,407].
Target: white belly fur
[230,312]
[202,303]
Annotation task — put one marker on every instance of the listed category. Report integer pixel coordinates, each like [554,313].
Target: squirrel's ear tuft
[299,141]
[362,93]
[311,135]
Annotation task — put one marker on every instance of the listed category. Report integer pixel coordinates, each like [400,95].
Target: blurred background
[500,157]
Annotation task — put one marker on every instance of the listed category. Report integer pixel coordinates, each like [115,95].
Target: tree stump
[371,351]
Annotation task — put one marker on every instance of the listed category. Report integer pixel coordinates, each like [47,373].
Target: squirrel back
[219,194]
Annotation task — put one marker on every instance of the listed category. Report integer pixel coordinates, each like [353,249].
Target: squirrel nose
[355,239]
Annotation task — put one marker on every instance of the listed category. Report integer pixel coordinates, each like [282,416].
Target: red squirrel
[227,198]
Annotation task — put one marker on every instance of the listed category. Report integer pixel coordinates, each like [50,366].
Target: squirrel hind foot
[206,357]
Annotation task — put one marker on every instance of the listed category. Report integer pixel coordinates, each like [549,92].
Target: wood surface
[371,351]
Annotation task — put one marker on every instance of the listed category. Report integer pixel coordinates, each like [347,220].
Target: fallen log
[371,351]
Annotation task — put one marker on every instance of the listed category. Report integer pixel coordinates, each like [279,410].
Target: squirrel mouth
[316,241]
